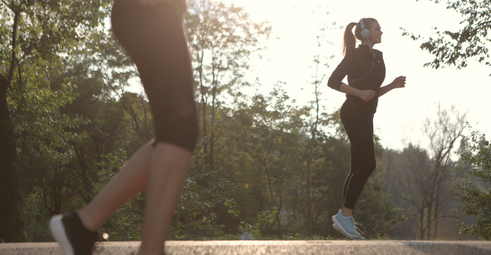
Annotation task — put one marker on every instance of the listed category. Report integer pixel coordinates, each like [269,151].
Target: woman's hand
[399,82]
[367,95]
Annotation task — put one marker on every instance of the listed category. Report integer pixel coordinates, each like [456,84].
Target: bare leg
[129,181]
[164,168]
[169,167]
[346,211]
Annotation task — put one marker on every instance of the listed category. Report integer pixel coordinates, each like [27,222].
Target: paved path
[272,247]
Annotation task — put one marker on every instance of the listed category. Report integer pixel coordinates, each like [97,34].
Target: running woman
[365,69]
[152,34]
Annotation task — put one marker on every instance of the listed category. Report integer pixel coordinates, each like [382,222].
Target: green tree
[68,125]
[475,192]
[118,123]
[42,134]
[443,133]
[269,132]
[317,121]
[411,183]
[470,42]
[66,135]
[32,30]
[420,178]
[221,38]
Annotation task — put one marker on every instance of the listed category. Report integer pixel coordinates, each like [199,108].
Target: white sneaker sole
[341,230]
[58,233]
[360,238]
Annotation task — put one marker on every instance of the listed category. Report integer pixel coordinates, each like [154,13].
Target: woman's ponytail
[349,38]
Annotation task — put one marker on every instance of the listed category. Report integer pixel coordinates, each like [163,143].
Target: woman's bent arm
[365,95]
[399,82]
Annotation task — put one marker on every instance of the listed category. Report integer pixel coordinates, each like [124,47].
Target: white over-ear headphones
[365,33]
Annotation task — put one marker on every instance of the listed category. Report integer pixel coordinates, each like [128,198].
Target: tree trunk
[11,225]
[270,185]
[203,105]
[311,152]
[435,218]
[421,223]
[309,199]
[212,131]
[271,196]
[278,214]
[428,220]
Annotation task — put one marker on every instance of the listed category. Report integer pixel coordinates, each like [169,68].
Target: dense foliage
[470,42]
[264,167]
[475,192]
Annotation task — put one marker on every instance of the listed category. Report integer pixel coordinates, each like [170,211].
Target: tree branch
[14,45]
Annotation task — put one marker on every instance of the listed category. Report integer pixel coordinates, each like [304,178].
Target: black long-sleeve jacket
[356,64]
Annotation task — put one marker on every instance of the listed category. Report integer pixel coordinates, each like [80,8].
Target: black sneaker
[71,234]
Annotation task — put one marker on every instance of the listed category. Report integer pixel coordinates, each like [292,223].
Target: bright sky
[401,112]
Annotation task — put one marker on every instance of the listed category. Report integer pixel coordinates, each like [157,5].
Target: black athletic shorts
[153,36]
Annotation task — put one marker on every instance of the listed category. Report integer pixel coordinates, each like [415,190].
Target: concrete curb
[271,247]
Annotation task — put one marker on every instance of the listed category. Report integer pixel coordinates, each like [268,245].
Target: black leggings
[359,127]
[154,39]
